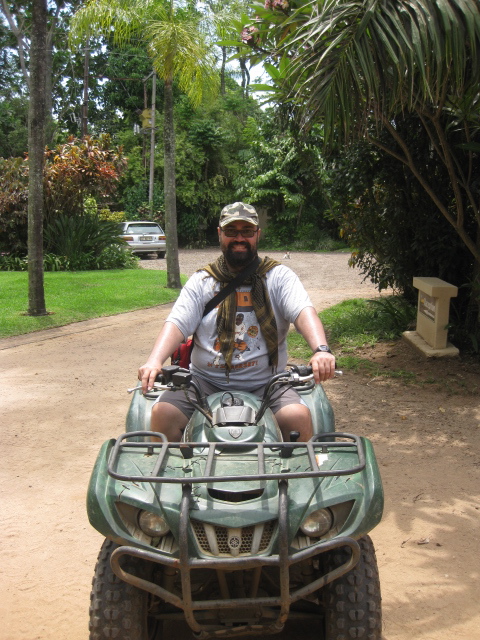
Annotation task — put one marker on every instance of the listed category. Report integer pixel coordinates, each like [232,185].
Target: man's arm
[310,326]
[169,338]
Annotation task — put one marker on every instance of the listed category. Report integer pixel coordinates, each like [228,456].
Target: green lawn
[75,296]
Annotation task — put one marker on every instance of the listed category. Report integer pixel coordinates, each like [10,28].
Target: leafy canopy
[174,41]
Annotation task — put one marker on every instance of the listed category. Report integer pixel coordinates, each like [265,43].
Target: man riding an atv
[211,513]
[268,296]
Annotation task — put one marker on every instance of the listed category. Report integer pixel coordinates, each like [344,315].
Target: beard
[239,259]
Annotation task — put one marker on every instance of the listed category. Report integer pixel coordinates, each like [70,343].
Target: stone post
[431,335]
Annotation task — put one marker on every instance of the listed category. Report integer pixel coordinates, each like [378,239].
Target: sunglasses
[245,233]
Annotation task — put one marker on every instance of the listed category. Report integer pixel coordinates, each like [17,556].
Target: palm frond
[179,50]
[351,55]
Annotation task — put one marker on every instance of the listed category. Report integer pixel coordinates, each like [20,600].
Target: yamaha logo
[234,542]
[235,432]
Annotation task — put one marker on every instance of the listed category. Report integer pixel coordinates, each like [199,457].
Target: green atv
[232,529]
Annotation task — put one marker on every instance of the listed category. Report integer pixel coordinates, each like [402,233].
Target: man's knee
[295,417]
[169,420]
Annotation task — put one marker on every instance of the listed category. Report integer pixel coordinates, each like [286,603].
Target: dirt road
[63,392]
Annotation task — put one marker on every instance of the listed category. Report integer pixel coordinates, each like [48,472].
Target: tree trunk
[86,61]
[245,76]
[152,145]
[222,71]
[243,69]
[472,320]
[36,158]
[173,268]
[49,123]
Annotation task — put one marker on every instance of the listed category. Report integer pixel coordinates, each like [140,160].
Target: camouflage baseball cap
[238,211]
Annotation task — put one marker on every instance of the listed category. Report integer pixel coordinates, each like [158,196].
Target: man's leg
[295,417]
[170,415]
[169,420]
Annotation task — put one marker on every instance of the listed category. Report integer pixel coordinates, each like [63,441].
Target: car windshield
[143,228]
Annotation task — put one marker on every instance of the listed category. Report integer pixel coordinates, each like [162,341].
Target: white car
[144,237]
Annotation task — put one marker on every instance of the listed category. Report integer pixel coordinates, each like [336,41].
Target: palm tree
[180,52]
[357,65]
[225,18]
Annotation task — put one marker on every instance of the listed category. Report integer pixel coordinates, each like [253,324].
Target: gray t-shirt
[250,356]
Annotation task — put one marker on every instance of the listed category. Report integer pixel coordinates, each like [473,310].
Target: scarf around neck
[228,309]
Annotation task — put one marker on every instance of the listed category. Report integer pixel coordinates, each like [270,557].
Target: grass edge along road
[73,296]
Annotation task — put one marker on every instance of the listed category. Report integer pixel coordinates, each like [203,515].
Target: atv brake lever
[156,385]
[295,378]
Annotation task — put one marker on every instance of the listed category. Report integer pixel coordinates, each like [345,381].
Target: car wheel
[161,254]
[120,610]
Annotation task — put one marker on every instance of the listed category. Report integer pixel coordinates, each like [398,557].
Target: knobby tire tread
[117,609]
[353,601]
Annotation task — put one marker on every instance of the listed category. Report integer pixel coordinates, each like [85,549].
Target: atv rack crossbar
[324,443]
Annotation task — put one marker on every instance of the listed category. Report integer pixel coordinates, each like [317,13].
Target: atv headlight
[152,524]
[317,523]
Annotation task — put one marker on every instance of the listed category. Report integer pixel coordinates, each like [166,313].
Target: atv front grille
[224,541]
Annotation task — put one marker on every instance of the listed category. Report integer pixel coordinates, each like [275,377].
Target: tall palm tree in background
[224,16]
[180,53]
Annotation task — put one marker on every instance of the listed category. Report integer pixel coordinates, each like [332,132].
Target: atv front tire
[117,609]
[352,603]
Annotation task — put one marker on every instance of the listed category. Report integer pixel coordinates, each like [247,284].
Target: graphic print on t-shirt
[246,334]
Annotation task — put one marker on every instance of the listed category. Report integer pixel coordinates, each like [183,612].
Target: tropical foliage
[13,204]
[79,169]
[85,242]
[286,175]
[74,171]
[367,70]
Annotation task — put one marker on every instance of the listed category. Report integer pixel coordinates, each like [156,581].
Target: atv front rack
[206,453]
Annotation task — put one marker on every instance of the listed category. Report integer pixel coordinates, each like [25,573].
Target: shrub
[17,263]
[80,171]
[54,263]
[13,204]
[13,263]
[76,175]
[80,240]
[115,257]
[113,216]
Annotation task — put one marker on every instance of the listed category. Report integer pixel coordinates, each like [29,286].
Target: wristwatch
[323,347]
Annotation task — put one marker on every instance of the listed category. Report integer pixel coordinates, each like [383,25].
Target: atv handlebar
[173,377]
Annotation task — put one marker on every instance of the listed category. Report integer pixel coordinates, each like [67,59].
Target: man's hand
[168,340]
[323,366]
[310,326]
[147,375]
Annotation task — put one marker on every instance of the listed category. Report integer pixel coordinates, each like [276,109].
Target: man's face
[238,251]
